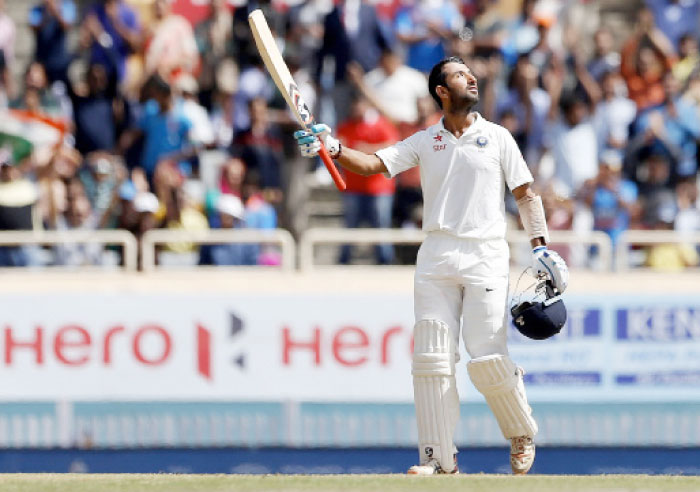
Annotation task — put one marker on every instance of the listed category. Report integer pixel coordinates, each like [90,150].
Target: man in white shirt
[397,87]
[574,146]
[462,267]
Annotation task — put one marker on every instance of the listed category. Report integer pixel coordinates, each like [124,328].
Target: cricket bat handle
[330,165]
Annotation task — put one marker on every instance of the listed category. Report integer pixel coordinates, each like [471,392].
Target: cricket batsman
[461,277]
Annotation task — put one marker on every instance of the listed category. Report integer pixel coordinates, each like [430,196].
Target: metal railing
[313,237]
[593,238]
[630,238]
[317,236]
[280,237]
[102,236]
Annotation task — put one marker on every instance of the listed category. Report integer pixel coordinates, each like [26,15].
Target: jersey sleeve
[515,169]
[401,156]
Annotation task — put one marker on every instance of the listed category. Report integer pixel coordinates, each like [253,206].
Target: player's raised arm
[544,261]
[351,159]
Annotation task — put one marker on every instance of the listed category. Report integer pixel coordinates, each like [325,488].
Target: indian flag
[24,131]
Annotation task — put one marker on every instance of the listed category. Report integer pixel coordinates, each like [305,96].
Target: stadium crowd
[132,116]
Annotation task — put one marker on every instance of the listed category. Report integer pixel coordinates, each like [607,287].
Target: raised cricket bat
[285,83]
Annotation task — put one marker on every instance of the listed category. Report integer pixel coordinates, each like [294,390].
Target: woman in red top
[367,198]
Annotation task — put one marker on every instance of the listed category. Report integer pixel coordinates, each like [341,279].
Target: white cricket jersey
[463,179]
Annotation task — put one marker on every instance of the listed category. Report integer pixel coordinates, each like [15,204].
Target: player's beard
[462,102]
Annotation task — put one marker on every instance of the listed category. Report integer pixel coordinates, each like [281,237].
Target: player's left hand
[310,141]
[549,263]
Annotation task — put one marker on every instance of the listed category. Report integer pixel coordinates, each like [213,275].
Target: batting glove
[549,264]
[310,141]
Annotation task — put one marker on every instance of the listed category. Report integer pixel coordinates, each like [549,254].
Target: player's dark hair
[438,77]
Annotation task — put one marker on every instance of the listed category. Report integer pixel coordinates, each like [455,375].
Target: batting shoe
[522,454]
[432,467]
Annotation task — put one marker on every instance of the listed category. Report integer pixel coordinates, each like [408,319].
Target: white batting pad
[501,383]
[435,392]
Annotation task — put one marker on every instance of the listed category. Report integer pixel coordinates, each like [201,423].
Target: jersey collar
[439,127]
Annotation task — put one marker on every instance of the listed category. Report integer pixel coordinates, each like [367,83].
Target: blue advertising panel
[616,348]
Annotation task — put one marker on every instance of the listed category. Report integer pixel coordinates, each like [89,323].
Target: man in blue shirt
[112,32]
[424,27]
[613,200]
[50,21]
[675,17]
[165,130]
[676,124]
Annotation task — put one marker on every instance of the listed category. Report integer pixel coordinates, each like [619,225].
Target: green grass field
[340,483]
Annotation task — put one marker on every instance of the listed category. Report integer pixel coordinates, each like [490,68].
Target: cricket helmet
[541,317]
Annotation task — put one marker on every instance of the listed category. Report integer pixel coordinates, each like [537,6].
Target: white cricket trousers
[464,280]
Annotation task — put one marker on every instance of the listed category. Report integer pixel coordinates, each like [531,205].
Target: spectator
[367,198]
[612,199]
[530,104]
[573,142]
[259,214]
[137,210]
[170,46]
[221,112]
[101,176]
[8,34]
[393,88]
[165,131]
[51,20]
[424,26]
[183,213]
[351,32]
[578,78]
[18,196]
[38,97]
[688,217]
[230,181]
[521,37]
[651,168]
[202,133]
[689,58]
[112,32]
[542,55]
[260,147]
[214,37]
[675,17]
[660,214]
[99,112]
[53,178]
[139,214]
[79,216]
[231,215]
[613,114]
[232,177]
[243,42]
[605,58]
[305,22]
[677,124]
[646,57]
[254,83]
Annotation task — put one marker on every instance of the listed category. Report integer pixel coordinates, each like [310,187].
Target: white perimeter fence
[302,255]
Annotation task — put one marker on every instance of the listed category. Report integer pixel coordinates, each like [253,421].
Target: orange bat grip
[330,165]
